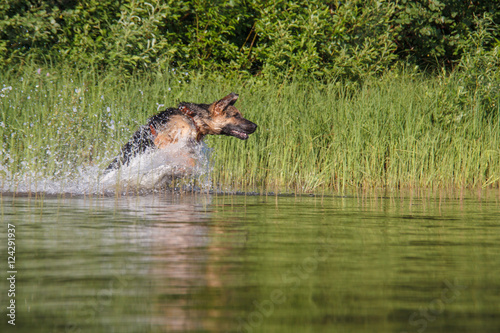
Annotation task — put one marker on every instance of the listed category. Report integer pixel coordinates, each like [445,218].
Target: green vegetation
[398,130]
[346,95]
[317,38]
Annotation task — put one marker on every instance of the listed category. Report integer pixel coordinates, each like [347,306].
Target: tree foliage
[314,38]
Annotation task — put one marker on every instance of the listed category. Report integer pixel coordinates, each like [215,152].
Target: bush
[319,39]
[431,33]
[472,91]
[310,37]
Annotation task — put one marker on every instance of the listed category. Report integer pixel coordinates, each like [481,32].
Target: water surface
[172,262]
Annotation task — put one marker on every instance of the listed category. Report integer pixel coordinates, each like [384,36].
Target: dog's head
[220,117]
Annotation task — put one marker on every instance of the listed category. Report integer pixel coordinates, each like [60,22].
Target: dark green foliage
[347,39]
[475,84]
[316,39]
[433,32]
[123,35]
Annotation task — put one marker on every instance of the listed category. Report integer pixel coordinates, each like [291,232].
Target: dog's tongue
[239,135]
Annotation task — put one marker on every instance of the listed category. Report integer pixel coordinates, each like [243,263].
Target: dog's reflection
[187,249]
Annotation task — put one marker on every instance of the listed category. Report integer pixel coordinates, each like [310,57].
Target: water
[156,169]
[179,262]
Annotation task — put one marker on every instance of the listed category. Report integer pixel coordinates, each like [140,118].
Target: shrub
[318,39]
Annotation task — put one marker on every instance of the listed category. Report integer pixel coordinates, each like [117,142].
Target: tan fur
[219,119]
[179,127]
[188,125]
[220,116]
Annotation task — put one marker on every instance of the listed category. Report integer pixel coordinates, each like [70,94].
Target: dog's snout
[251,127]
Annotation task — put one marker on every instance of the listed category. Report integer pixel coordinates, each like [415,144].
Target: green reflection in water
[200,263]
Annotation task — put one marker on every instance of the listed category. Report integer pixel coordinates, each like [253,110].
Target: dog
[188,124]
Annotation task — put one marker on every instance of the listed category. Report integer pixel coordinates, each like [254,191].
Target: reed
[394,131]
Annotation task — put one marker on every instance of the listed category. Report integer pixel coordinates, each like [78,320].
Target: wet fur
[190,123]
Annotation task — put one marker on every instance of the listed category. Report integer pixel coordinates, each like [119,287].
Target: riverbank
[399,130]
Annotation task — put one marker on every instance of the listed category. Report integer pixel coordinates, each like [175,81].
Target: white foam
[157,169]
[151,171]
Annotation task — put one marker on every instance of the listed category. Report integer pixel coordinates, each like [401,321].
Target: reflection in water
[201,263]
[177,231]
[180,245]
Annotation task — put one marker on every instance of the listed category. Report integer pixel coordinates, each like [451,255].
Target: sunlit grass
[312,136]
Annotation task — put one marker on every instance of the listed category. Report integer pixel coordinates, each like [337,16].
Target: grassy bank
[400,130]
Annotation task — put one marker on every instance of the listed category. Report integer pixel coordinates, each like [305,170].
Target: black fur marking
[142,140]
[241,131]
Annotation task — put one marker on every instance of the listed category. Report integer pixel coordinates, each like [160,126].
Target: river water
[184,262]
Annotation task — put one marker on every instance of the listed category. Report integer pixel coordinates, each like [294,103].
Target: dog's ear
[219,106]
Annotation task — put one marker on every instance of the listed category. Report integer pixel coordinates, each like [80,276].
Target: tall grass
[388,132]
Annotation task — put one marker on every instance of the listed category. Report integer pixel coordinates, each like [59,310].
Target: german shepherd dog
[188,123]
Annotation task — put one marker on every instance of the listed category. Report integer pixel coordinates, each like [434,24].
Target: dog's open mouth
[239,134]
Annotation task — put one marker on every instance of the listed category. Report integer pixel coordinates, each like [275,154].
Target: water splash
[151,171]
[160,168]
